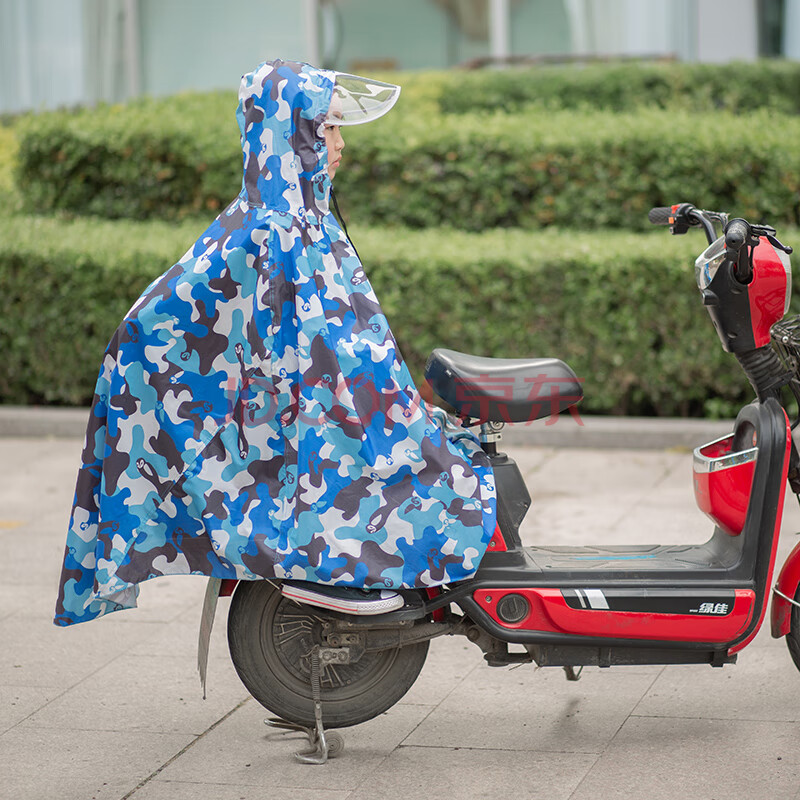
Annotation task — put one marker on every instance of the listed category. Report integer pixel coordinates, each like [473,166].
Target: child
[253,417]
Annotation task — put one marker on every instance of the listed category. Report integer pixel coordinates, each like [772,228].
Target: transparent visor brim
[357,100]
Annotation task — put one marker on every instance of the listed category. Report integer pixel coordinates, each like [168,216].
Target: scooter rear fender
[785,590]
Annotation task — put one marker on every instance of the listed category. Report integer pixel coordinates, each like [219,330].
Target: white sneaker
[346,599]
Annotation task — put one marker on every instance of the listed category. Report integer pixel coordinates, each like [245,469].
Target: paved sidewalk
[113,709]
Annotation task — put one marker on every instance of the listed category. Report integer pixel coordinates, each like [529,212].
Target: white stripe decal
[580,598]
[596,598]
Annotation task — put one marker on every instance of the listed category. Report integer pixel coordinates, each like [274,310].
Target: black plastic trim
[513,499]
[558,656]
[728,304]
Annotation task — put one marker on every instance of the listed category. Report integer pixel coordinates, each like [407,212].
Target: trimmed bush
[8,155]
[151,158]
[64,288]
[573,169]
[568,168]
[737,87]
[621,309]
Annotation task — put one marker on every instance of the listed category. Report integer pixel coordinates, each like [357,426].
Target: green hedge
[8,157]
[576,169]
[568,168]
[64,287]
[622,309]
[616,86]
[151,158]
[734,87]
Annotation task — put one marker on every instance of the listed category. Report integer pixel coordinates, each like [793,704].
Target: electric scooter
[568,607]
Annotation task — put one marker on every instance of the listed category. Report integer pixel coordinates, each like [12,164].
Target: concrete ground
[112,709]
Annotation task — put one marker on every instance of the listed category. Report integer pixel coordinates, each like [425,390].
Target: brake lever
[773,240]
[768,232]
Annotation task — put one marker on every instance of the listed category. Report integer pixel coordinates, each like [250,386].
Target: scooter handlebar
[660,215]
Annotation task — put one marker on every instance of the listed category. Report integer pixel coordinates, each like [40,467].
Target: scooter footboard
[711,595]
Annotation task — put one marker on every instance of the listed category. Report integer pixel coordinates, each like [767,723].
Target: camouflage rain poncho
[253,417]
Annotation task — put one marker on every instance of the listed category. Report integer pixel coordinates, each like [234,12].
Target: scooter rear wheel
[793,637]
[270,640]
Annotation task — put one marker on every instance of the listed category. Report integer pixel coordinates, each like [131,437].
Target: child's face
[333,135]
[335,142]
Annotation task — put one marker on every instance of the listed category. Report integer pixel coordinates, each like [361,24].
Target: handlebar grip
[736,234]
[660,215]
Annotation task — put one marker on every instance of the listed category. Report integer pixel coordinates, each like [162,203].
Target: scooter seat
[502,389]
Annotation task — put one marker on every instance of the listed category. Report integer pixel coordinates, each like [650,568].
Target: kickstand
[571,674]
[323,746]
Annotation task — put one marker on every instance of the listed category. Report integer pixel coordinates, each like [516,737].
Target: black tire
[270,639]
[793,637]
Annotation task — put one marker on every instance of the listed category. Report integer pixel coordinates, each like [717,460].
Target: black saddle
[502,389]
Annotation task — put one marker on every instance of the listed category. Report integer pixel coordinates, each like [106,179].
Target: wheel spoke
[331,677]
[271,643]
[293,629]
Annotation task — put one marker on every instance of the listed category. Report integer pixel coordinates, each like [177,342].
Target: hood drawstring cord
[343,223]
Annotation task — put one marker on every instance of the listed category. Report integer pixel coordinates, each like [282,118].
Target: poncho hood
[253,417]
[282,108]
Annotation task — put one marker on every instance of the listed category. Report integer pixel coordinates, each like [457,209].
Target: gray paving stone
[19,702]
[467,774]
[37,559]
[37,653]
[614,497]
[178,638]
[167,598]
[664,759]
[534,710]
[258,756]
[87,765]
[38,422]
[619,497]
[450,660]
[48,466]
[181,790]
[15,598]
[763,685]
[581,471]
[132,693]
[603,433]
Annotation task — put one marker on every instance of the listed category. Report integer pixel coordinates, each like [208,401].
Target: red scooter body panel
[767,291]
[787,584]
[723,481]
[497,544]
[549,611]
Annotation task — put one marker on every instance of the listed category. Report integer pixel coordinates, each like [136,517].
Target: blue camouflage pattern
[253,417]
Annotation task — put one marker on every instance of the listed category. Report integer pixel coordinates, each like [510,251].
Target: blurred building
[66,52]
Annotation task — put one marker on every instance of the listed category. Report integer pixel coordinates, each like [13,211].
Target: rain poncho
[253,417]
